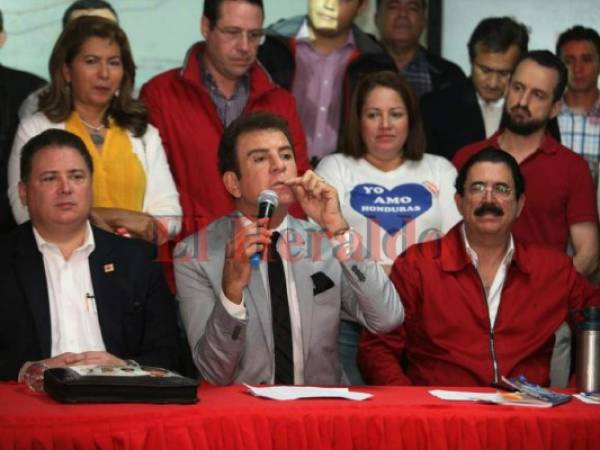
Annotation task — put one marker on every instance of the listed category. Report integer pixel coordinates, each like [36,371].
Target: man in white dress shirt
[74,294]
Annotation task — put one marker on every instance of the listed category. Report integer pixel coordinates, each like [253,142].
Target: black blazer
[443,73]
[136,310]
[15,86]
[452,119]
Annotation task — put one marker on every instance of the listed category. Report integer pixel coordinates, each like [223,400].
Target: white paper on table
[496,398]
[297,392]
[467,396]
[584,399]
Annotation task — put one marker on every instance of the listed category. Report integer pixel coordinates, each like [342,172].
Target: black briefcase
[119,385]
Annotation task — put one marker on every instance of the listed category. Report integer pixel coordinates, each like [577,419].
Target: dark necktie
[280,312]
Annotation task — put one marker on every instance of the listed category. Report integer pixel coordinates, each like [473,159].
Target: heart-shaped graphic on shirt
[393,208]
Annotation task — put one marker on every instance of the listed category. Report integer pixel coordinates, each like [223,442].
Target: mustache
[524,109]
[489,208]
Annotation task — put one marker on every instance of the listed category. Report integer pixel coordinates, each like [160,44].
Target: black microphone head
[267,203]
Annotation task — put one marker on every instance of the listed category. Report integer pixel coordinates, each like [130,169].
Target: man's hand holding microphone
[319,201]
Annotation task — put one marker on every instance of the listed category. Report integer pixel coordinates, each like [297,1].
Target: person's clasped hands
[32,372]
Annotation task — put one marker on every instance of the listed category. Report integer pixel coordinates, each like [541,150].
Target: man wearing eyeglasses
[561,205]
[470,111]
[218,82]
[479,303]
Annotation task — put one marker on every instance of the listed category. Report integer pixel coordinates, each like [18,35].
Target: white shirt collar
[483,103]
[282,226]
[473,255]
[304,31]
[88,245]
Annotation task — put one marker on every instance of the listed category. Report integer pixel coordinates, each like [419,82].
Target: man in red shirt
[561,203]
[479,303]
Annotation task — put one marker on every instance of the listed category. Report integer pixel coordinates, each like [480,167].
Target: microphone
[267,204]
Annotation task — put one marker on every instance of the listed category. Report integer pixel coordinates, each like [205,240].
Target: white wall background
[546,19]
[160,31]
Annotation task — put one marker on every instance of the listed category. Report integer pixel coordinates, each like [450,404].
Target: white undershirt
[494,294]
[492,113]
[73,314]
[239,311]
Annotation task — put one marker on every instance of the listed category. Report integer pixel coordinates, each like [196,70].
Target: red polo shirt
[559,191]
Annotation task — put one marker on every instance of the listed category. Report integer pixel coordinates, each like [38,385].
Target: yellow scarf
[119,177]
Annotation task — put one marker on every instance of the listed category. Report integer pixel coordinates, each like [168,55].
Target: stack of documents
[526,394]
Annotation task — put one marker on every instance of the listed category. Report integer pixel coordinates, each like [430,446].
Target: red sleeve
[379,356]
[581,206]
[582,293]
[298,137]
[153,112]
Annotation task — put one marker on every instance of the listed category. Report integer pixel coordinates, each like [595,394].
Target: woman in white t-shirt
[391,192]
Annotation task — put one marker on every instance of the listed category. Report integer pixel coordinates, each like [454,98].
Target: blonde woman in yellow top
[92,76]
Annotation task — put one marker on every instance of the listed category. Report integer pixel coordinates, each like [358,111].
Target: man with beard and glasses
[479,303]
[561,204]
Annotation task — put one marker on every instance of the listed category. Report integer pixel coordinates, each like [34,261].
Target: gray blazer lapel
[302,269]
[259,304]
[29,269]
[304,287]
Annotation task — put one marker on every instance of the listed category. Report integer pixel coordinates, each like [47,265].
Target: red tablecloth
[230,418]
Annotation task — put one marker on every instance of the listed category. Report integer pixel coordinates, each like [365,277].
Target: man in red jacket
[478,303]
[192,105]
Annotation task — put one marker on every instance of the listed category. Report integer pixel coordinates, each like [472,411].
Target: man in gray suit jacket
[233,313]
